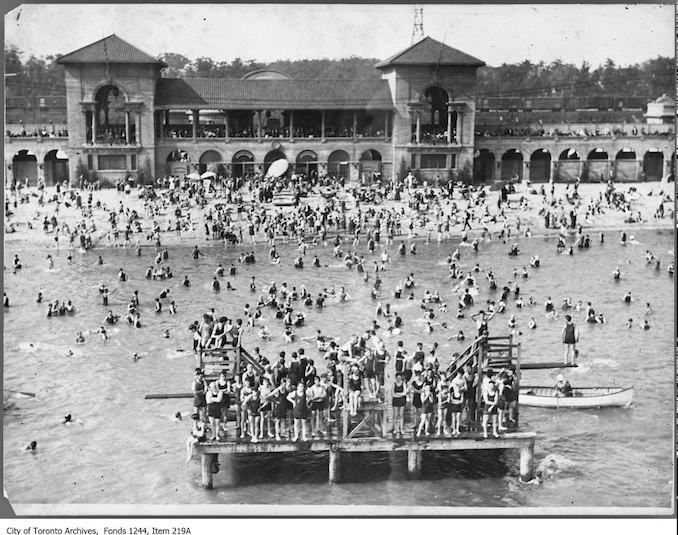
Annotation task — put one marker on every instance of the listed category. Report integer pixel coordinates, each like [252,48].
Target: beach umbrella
[208,174]
[193,176]
[278,168]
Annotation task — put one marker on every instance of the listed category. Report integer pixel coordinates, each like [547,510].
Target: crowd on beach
[294,397]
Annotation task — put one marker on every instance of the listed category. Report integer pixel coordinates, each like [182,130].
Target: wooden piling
[206,460]
[527,461]
[335,465]
[414,462]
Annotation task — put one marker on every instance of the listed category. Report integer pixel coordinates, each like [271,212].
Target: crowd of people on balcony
[592,131]
[214,131]
[113,135]
[37,132]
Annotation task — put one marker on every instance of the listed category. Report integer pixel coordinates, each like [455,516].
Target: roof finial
[108,74]
[418,24]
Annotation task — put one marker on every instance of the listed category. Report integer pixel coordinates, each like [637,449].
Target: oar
[27,394]
[179,395]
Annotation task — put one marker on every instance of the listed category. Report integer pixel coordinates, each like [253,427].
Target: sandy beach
[645,200]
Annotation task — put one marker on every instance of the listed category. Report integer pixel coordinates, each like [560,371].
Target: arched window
[210,161]
[540,166]
[512,165]
[307,163]
[598,166]
[110,116]
[653,165]
[434,115]
[271,157]
[483,165]
[337,164]
[56,167]
[243,163]
[370,166]
[25,166]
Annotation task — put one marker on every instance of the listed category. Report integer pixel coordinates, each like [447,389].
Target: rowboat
[582,398]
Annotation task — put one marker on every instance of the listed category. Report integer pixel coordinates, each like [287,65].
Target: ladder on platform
[231,359]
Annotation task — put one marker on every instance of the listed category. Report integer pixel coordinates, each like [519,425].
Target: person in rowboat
[563,387]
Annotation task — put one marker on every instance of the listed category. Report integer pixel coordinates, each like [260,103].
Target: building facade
[124,119]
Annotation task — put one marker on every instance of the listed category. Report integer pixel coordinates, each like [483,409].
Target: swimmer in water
[532,324]
[646,325]
[264,333]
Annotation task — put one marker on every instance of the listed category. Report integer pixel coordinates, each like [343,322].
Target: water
[124,449]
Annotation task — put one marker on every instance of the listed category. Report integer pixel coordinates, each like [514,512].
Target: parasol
[278,168]
[193,176]
[208,174]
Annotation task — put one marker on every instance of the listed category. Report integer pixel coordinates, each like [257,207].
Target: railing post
[527,461]
[206,461]
[517,386]
[344,409]
[334,465]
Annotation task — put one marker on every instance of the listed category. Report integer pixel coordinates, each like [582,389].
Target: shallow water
[124,449]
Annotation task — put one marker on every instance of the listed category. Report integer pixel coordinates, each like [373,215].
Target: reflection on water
[124,449]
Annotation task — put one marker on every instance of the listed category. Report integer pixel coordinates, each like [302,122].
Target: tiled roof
[110,49]
[238,94]
[431,52]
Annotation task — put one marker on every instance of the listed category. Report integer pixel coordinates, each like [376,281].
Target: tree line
[37,76]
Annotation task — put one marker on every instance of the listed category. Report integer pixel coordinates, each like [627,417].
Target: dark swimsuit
[214,409]
[488,409]
[226,400]
[399,401]
[199,396]
[300,409]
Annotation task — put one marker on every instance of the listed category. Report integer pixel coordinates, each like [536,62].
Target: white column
[127,132]
[291,124]
[418,138]
[449,124]
[226,132]
[94,127]
[355,123]
[322,124]
[259,124]
[196,119]
[460,126]
[386,125]
[137,127]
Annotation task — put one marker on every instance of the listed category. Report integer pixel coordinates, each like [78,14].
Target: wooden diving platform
[371,429]
[523,441]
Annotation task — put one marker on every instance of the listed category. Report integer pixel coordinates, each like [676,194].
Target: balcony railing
[219,132]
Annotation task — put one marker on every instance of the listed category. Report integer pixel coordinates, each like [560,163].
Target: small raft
[581,398]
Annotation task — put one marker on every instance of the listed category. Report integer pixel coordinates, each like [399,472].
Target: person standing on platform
[570,337]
